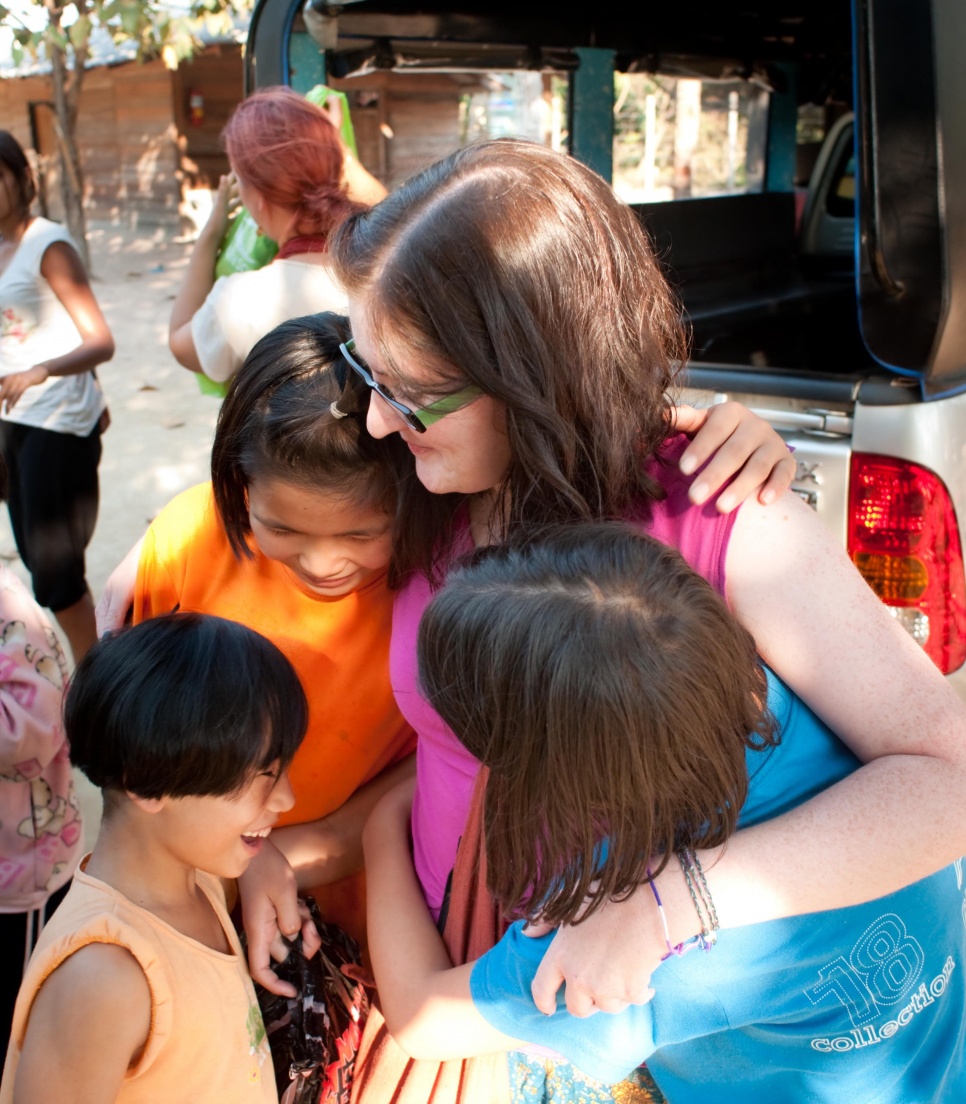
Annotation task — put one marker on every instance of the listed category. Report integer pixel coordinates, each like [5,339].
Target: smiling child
[137,990]
[293,538]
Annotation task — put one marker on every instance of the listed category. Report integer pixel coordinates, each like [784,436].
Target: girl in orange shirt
[293,538]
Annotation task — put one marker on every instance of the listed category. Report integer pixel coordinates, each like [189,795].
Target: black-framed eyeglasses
[421,419]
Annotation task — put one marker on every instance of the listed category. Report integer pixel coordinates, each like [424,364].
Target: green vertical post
[306,63]
[592,110]
[782,138]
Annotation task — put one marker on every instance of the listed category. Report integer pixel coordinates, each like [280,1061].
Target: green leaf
[130,20]
[79,31]
[16,51]
[56,37]
[25,41]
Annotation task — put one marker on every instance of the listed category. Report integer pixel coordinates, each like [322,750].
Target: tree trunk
[687,122]
[66,96]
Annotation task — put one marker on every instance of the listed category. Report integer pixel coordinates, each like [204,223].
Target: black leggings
[52,494]
[13,940]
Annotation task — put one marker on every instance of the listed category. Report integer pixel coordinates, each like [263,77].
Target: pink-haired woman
[297,180]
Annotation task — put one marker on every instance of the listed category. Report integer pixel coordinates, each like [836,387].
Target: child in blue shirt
[628,729]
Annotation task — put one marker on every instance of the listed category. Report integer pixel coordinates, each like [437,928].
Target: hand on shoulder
[735,444]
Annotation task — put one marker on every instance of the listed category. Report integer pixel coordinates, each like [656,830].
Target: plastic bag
[315,1035]
[244,247]
[320,96]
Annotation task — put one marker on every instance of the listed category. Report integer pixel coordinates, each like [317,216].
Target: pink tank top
[445,770]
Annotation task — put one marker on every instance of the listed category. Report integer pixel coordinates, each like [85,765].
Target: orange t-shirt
[338,646]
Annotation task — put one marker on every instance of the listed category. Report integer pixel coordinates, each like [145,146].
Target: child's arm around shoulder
[425,999]
[89,1023]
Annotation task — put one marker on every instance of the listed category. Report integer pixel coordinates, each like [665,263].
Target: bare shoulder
[785,569]
[89,1023]
[62,261]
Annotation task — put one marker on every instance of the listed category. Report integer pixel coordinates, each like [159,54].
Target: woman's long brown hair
[612,696]
[517,269]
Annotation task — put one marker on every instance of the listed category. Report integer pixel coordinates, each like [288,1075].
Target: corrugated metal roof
[105,52]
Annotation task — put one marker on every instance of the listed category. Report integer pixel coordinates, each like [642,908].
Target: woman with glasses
[511,318]
[525,344]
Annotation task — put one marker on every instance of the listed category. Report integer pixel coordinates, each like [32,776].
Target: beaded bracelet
[697,885]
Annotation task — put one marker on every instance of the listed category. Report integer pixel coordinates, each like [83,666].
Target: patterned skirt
[536,1080]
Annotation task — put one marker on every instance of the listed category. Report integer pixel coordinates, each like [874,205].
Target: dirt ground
[161,425]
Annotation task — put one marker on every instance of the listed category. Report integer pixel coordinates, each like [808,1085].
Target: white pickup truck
[801,167]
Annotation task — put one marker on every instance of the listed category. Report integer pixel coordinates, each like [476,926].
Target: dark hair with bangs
[611,695]
[276,423]
[184,704]
[14,158]
[520,270]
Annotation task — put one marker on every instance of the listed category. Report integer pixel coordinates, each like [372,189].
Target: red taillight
[904,539]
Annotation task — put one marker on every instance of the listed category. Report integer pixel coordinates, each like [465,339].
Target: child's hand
[606,960]
[733,442]
[311,940]
[270,909]
[118,594]
[14,385]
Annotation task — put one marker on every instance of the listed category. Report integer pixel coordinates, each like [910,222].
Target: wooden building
[148,136]
[141,142]
[405,121]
